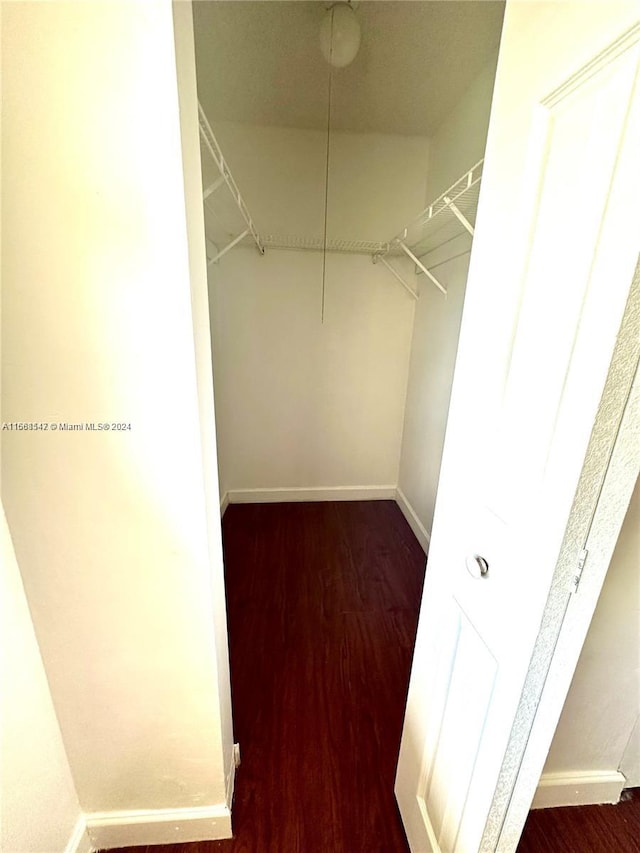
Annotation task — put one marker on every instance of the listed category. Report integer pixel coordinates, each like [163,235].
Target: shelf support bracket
[396,274]
[229,246]
[422,267]
[459,215]
[211,248]
[213,187]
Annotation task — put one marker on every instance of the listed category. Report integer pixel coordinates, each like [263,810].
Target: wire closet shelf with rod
[228,222]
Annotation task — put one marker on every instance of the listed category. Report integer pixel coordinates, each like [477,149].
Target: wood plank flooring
[323,603]
[585,829]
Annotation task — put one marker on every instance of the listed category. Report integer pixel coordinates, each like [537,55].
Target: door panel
[584,134]
[457,731]
[548,281]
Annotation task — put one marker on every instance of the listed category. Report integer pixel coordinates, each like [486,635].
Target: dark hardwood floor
[322,605]
[585,829]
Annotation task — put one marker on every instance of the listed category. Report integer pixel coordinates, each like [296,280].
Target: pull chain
[326,182]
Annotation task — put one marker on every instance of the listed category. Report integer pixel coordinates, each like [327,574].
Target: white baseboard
[158,826]
[79,841]
[578,789]
[329,493]
[421,533]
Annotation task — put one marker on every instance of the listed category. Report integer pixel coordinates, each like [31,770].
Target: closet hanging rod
[214,149]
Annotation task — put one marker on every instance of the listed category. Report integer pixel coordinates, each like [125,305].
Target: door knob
[477,566]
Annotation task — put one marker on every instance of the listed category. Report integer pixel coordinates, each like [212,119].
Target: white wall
[40,810]
[303,404]
[457,146]
[110,528]
[603,703]
[376,181]
[460,141]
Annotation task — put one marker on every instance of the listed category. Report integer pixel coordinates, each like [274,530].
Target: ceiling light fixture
[340,35]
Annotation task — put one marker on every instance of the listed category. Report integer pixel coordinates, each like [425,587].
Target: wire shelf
[228,222]
[217,209]
[316,244]
[451,215]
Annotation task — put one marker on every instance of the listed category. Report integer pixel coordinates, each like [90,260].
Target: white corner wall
[593,739]
[457,146]
[40,810]
[305,409]
[110,528]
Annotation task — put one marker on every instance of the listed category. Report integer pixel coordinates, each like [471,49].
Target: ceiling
[260,62]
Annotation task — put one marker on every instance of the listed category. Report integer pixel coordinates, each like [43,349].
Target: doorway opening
[339,210]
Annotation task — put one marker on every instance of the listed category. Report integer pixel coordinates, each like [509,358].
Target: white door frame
[607,481]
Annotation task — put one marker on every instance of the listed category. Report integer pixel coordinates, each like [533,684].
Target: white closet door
[555,248]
